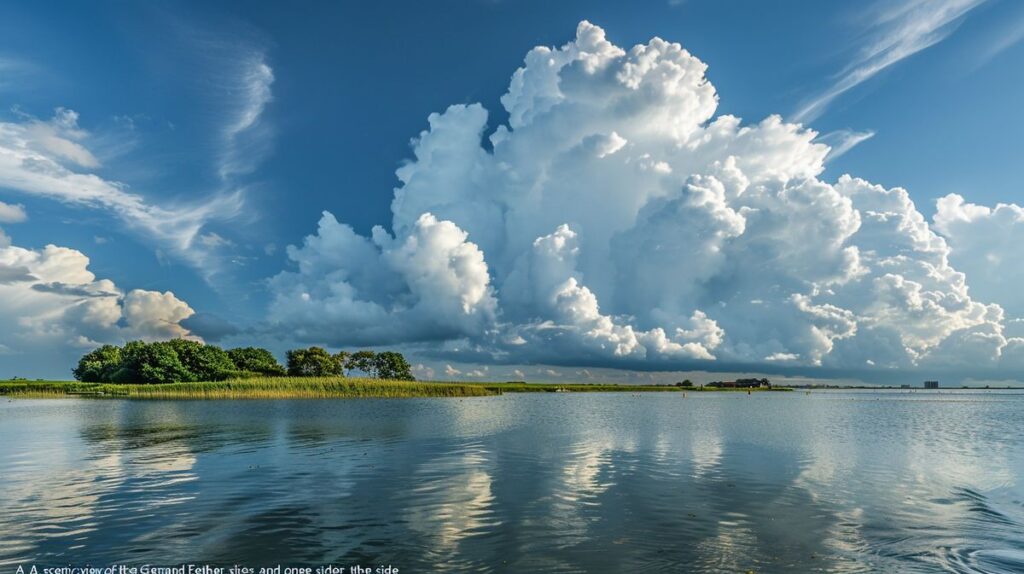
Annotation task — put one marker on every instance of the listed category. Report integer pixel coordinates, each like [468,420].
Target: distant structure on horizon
[742,384]
[931,384]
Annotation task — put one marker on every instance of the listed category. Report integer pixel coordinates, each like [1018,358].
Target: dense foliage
[99,365]
[391,365]
[184,361]
[314,362]
[148,363]
[256,360]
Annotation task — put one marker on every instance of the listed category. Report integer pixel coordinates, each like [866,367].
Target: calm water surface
[782,482]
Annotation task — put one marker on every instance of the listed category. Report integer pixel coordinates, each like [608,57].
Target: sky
[520,190]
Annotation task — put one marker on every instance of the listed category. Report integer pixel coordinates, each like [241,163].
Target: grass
[523,387]
[259,388]
[311,388]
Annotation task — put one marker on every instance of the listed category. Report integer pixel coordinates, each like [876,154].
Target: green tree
[392,365]
[255,360]
[362,361]
[313,362]
[150,363]
[342,358]
[98,366]
[203,362]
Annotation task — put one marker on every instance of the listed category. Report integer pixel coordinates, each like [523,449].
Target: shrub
[150,363]
[99,365]
[203,362]
[313,362]
[362,361]
[255,360]
[391,365]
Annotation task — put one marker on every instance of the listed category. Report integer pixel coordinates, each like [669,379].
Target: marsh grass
[258,388]
[316,388]
[522,387]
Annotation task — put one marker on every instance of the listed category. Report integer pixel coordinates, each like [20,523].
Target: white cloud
[14,72]
[44,159]
[617,221]
[842,141]
[985,244]
[431,284]
[897,30]
[52,304]
[1010,34]
[12,213]
[246,136]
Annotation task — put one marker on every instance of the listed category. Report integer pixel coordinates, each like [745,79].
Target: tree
[203,362]
[313,362]
[685,383]
[150,363]
[255,360]
[98,366]
[362,361]
[391,365]
[342,358]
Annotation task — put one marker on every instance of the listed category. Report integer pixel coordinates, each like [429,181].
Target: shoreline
[320,388]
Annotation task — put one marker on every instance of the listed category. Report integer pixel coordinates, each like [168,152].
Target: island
[185,369]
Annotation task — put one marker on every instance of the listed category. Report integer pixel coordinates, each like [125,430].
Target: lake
[830,481]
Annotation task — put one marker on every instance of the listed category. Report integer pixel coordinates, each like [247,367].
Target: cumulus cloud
[51,303]
[985,243]
[12,213]
[50,159]
[616,220]
[430,284]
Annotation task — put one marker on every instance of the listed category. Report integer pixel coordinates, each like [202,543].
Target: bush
[391,365]
[362,361]
[151,363]
[180,360]
[203,362]
[314,362]
[99,365]
[255,360]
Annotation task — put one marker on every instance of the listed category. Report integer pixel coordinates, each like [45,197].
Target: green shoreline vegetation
[184,369]
[314,388]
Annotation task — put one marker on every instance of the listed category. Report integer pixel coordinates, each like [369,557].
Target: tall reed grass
[258,388]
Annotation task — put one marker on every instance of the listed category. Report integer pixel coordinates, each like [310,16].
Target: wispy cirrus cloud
[51,159]
[57,159]
[1001,41]
[246,136]
[895,32]
[13,72]
[233,75]
[842,141]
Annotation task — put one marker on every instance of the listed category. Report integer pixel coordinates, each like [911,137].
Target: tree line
[181,360]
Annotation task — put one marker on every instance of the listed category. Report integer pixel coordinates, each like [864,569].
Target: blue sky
[265,116]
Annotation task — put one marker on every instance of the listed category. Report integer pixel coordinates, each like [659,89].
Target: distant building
[742,384]
[931,384]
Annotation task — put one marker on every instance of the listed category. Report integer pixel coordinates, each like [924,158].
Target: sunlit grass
[258,388]
[318,388]
[523,387]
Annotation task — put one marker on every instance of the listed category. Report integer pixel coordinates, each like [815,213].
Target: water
[772,482]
